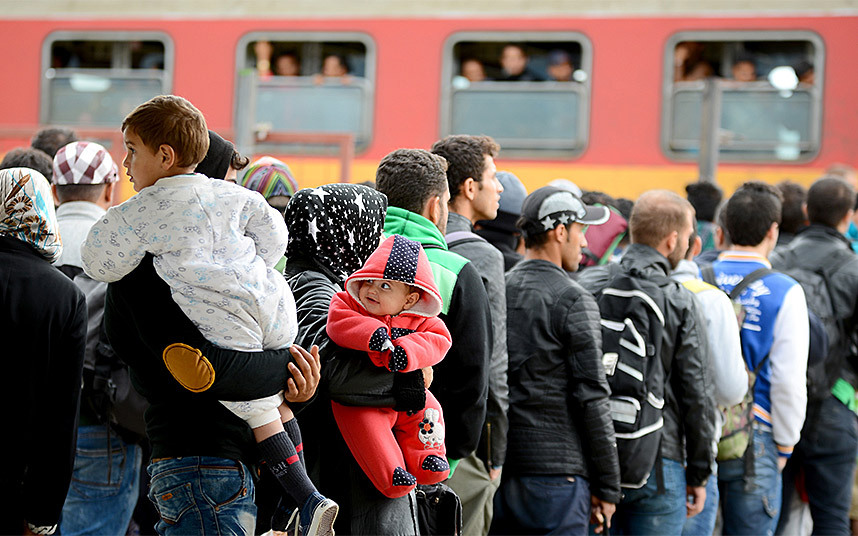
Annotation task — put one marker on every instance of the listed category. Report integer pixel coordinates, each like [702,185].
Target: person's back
[821,259]
[660,226]
[43,319]
[775,338]
[107,448]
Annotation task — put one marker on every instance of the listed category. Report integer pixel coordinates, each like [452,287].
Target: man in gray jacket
[475,195]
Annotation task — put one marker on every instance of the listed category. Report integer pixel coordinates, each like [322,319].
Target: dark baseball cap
[548,207]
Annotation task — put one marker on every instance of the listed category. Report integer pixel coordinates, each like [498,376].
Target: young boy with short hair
[215,244]
[390,310]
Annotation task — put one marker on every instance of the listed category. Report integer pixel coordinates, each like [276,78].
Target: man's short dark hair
[656,214]
[829,200]
[466,157]
[50,140]
[705,197]
[79,192]
[536,241]
[751,211]
[29,157]
[410,178]
[792,211]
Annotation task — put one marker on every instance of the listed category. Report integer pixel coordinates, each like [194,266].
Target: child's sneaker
[318,515]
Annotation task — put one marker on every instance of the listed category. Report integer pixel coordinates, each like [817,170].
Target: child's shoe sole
[324,516]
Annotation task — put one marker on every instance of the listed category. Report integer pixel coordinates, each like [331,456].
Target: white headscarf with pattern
[27,211]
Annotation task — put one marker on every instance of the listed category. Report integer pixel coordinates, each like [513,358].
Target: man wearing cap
[661,225]
[561,437]
[560,67]
[475,195]
[84,178]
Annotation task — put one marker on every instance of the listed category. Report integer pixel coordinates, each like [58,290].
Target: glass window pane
[302,106]
[85,99]
[519,117]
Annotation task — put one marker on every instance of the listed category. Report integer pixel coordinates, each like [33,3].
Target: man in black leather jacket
[829,439]
[660,226]
[559,413]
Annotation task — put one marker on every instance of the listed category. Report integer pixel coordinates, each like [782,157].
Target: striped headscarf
[270,177]
[27,211]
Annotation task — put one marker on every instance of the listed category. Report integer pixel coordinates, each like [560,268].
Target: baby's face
[382,297]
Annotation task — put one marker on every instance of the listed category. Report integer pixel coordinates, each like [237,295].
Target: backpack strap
[707,273]
[462,237]
[759,273]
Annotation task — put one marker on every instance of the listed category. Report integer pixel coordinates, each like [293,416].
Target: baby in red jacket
[390,311]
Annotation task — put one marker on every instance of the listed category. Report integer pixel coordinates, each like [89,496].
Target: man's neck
[760,249]
[543,254]
[463,208]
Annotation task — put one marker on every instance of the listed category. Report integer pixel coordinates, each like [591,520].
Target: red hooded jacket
[420,339]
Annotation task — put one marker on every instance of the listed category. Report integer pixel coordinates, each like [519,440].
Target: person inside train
[473,69]
[513,61]
[744,68]
[560,66]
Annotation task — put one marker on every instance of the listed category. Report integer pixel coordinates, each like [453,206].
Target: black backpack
[106,388]
[823,368]
[632,309]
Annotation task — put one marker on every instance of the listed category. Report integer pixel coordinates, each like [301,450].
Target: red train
[627,120]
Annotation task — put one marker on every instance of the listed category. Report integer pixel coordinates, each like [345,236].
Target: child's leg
[421,439]
[367,432]
[290,424]
[275,447]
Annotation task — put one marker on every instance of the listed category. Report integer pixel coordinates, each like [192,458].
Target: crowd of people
[314,360]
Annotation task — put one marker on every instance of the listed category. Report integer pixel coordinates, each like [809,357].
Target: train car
[332,87]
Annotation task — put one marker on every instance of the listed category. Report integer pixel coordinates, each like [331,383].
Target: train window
[96,78]
[305,83]
[763,117]
[529,91]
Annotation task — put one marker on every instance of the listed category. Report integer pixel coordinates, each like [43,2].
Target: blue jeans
[703,524]
[755,508]
[104,486]
[202,495]
[826,454]
[541,504]
[646,512]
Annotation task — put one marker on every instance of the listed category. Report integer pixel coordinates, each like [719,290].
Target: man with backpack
[107,467]
[775,339]
[657,361]
[475,195]
[559,415]
[821,260]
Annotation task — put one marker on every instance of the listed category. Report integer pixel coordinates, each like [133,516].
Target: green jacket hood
[414,226]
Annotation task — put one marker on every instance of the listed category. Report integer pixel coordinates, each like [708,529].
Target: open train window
[530,91]
[96,78]
[767,92]
[312,82]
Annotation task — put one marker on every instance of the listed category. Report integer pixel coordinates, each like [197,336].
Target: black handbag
[439,510]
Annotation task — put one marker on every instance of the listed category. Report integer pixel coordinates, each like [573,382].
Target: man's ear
[54,191]
[168,156]
[433,210]
[559,233]
[671,240]
[468,188]
[107,195]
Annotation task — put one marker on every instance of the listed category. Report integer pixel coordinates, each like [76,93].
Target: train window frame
[817,92]
[363,139]
[48,72]
[583,88]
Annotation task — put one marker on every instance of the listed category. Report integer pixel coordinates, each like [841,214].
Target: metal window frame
[49,73]
[669,89]
[448,62]
[370,64]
